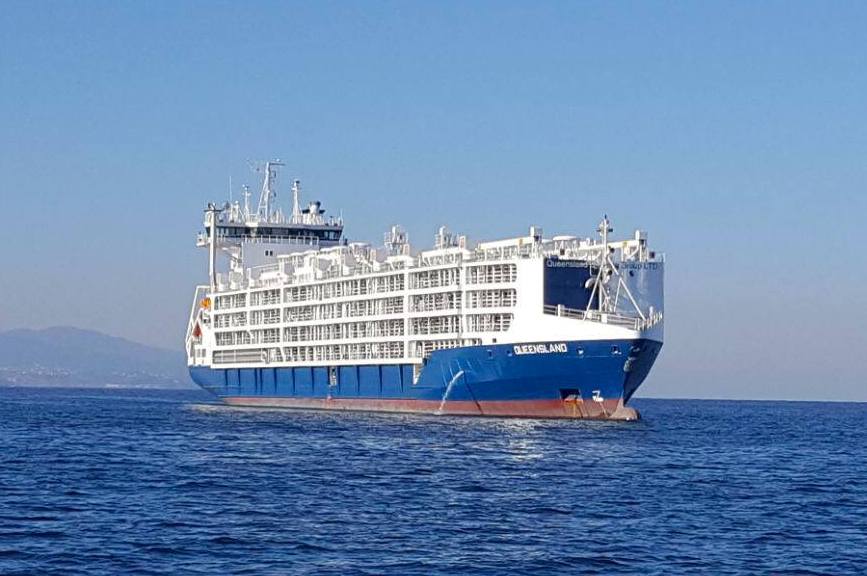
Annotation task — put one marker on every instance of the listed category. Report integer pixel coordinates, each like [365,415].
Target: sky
[735,133]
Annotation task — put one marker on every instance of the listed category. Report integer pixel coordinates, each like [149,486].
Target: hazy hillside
[74,357]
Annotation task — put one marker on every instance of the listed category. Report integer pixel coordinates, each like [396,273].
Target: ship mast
[607,270]
[212,211]
[246,203]
[604,229]
[264,211]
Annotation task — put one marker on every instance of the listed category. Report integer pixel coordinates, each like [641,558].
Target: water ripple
[105,483]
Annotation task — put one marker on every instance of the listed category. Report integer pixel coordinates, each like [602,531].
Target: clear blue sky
[734,132]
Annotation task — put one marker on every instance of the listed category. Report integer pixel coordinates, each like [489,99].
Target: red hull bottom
[573,409]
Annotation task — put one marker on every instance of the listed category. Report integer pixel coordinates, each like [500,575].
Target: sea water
[160,482]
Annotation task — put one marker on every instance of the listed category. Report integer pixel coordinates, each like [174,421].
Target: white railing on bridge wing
[633,322]
[302,240]
[202,239]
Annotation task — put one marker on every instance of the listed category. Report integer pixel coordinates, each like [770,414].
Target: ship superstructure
[296,316]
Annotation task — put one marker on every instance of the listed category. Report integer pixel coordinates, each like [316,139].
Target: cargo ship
[296,316]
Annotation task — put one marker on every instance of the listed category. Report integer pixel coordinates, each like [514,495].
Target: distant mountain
[73,357]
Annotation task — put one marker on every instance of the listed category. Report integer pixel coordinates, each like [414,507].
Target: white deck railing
[632,322]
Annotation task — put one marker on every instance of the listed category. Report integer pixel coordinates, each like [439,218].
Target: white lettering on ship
[554,263]
[552,348]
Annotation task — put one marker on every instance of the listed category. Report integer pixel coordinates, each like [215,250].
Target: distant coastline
[73,357]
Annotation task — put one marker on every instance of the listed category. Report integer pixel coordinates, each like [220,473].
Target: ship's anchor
[597,397]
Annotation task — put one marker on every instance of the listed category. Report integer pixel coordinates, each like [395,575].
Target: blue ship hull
[578,379]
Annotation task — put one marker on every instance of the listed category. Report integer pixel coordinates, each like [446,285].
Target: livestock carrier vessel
[296,316]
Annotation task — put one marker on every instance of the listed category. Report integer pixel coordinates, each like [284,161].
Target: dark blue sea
[159,482]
